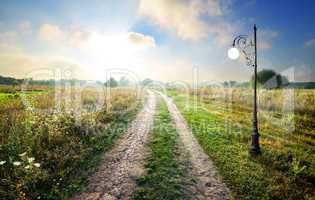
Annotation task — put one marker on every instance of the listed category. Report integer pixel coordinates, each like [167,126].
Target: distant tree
[9,81]
[229,83]
[111,83]
[265,75]
[282,80]
[269,79]
[147,81]
[124,81]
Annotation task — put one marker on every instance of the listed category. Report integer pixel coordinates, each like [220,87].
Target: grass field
[48,146]
[48,155]
[222,125]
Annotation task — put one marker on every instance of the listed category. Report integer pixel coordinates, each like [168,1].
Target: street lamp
[243,44]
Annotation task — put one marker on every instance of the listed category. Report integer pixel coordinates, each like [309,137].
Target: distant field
[17,94]
[221,121]
[8,92]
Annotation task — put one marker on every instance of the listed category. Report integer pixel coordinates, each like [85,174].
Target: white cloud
[8,36]
[23,65]
[7,47]
[81,38]
[264,45]
[211,7]
[25,26]
[310,43]
[8,41]
[268,33]
[265,38]
[78,38]
[184,18]
[223,32]
[51,33]
[140,39]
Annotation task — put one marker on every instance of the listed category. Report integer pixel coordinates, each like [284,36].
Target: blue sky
[161,39]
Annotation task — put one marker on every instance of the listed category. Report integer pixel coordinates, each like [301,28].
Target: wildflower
[22,154]
[2,162]
[31,159]
[16,163]
[27,167]
[37,164]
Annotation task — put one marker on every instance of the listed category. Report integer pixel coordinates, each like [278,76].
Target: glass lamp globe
[233,53]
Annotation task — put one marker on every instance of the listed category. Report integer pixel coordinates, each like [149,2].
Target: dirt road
[115,179]
[208,185]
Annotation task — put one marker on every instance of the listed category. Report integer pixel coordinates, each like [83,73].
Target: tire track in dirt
[116,177]
[208,185]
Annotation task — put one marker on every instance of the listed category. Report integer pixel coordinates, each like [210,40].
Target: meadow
[220,119]
[52,139]
[48,147]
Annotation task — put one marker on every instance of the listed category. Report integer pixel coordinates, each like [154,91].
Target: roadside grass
[8,96]
[283,171]
[12,89]
[49,155]
[163,178]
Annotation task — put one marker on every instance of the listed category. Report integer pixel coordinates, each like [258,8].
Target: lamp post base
[255,149]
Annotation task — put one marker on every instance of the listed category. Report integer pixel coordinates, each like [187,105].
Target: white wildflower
[22,154]
[36,164]
[2,162]
[27,167]
[16,163]
[31,159]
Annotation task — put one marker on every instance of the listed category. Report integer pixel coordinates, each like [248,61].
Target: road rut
[115,179]
[208,185]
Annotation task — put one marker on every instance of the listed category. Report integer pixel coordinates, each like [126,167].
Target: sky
[166,40]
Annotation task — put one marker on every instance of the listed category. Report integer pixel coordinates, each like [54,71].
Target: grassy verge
[279,173]
[49,155]
[164,176]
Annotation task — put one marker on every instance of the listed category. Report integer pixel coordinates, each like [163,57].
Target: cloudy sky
[160,39]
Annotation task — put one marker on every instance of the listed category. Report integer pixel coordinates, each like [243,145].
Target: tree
[147,81]
[111,83]
[124,81]
[269,79]
[9,81]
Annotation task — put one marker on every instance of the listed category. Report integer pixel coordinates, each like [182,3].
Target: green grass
[8,96]
[164,175]
[284,172]
[4,95]
[66,150]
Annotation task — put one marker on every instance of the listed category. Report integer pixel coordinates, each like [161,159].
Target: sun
[113,50]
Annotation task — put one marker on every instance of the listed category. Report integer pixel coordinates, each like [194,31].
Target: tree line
[266,78]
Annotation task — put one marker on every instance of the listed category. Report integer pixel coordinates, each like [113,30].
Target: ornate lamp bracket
[246,45]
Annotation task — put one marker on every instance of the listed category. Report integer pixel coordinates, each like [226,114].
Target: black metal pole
[255,149]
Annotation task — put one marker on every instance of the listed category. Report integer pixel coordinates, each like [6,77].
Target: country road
[208,184]
[115,178]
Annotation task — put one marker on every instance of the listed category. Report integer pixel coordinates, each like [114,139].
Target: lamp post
[243,44]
